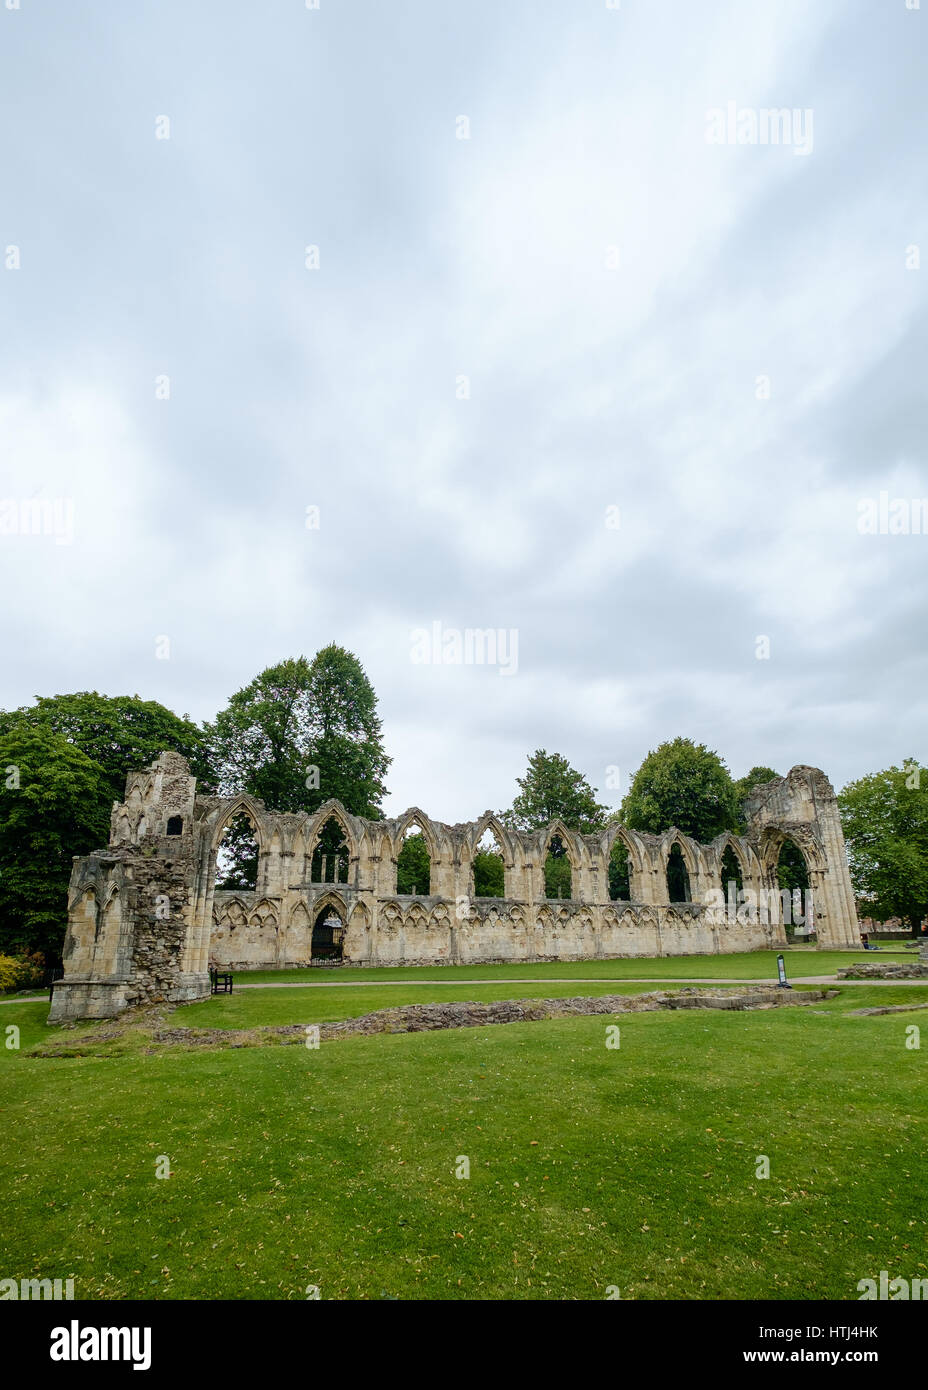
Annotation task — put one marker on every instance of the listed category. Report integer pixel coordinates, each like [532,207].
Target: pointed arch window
[414,865]
[678,879]
[620,876]
[329,862]
[237,858]
[557,871]
[489,866]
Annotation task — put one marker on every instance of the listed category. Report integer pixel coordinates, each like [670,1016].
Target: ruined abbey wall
[145,921]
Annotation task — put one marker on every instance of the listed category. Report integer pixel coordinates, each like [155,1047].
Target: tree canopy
[55,802]
[746,784]
[682,784]
[301,733]
[885,822]
[489,874]
[120,733]
[413,865]
[553,790]
[74,753]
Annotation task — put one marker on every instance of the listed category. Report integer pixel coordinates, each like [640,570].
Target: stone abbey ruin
[146,921]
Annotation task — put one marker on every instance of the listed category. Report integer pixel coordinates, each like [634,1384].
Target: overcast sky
[587,376]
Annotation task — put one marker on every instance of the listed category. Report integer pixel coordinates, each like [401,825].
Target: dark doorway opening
[328,937]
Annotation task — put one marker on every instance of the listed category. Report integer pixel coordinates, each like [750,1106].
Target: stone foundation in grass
[903,970]
[149,1023]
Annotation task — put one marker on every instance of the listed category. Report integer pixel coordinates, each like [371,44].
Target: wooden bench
[220,981]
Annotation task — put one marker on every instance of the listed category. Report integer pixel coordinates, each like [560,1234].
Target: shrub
[21,972]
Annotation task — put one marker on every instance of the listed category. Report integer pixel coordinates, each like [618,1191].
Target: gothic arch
[416,817]
[772,841]
[252,809]
[676,837]
[360,916]
[264,914]
[490,821]
[631,842]
[567,838]
[231,913]
[416,916]
[300,917]
[738,848]
[333,900]
[315,824]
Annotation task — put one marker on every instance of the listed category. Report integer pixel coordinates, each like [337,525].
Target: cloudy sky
[572,366]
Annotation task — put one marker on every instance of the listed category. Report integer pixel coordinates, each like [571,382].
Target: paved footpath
[534,980]
[574,980]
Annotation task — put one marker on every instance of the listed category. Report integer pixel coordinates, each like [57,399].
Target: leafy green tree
[489,875]
[885,822]
[54,803]
[684,784]
[301,733]
[792,871]
[620,882]
[413,865]
[330,863]
[557,870]
[552,790]
[237,861]
[120,733]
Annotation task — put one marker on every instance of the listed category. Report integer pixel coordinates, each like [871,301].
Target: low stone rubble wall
[904,970]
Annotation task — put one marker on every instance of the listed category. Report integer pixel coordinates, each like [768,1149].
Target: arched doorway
[328,940]
[792,873]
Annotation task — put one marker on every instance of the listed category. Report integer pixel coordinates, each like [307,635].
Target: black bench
[220,981]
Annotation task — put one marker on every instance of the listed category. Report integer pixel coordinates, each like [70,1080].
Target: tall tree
[54,803]
[553,790]
[684,784]
[302,732]
[413,865]
[489,874]
[885,822]
[120,733]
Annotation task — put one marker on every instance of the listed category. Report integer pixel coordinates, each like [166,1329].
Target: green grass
[744,965]
[256,1007]
[589,1167]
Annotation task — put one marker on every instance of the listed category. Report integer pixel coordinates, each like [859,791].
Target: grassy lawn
[254,1007]
[589,1167]
[744,965]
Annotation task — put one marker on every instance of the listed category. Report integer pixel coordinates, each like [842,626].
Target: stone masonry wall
[146,921]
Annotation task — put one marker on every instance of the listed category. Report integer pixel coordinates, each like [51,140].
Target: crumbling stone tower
[132,934]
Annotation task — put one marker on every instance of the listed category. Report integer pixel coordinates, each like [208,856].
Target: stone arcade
[145,921]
